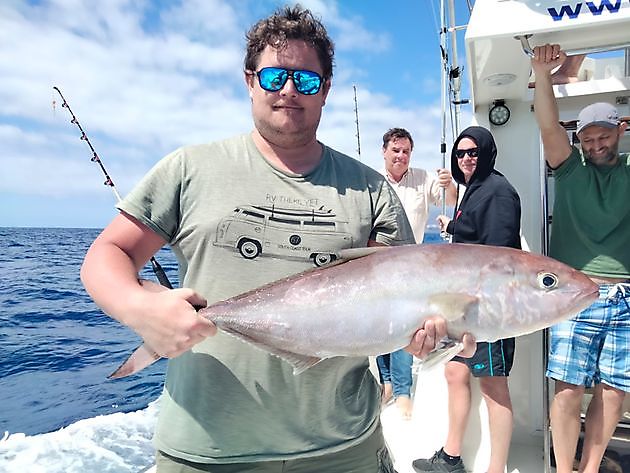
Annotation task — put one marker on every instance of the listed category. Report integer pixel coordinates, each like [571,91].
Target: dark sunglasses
[472,152]
[273,79]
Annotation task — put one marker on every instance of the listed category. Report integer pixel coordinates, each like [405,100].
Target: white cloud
[351,34]
[203,20]
[143,79]
[378,113]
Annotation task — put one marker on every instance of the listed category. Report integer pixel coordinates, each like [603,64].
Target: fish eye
[547,280]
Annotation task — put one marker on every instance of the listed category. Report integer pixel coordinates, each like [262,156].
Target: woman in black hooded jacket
[489,214]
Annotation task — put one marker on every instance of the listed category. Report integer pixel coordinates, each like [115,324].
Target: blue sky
[144,77]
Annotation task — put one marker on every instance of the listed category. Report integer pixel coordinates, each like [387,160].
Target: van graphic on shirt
[259,230]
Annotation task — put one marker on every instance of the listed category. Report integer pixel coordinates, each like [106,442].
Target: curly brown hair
[285,24]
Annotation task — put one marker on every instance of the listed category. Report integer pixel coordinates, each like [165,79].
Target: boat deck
[425,433]
[404,441]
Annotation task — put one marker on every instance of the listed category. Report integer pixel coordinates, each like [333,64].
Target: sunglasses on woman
[272,79]
[472,152]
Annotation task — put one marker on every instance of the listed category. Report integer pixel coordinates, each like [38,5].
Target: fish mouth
[584,300]
[594,292]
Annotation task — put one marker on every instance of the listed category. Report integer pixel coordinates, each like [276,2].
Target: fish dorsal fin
[299,362]
[354,253]
[454,305]
[349,254]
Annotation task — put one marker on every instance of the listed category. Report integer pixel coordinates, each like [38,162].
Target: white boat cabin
[497,38]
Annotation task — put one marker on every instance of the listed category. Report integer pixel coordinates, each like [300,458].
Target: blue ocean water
[56,346]
[56,350]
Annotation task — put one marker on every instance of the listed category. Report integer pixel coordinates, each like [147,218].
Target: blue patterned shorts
[594,346]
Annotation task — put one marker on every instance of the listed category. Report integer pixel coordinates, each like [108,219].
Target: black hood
[487,154]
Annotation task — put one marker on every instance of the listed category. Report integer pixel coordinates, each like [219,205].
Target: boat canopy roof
[498,67]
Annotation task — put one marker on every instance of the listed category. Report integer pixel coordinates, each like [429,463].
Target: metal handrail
[544,245]
[527,49]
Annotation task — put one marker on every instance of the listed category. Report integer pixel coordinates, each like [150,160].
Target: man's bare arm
[167,321]
[554,137]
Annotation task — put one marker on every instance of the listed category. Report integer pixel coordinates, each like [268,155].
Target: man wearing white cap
[591,232]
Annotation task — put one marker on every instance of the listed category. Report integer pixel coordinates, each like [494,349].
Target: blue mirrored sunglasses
[273,79]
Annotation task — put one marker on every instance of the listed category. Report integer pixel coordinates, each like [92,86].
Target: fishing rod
[450,86]
[356,115]
[157,268]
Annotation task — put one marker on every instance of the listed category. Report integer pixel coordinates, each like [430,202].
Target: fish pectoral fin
[454,305]
[441,356]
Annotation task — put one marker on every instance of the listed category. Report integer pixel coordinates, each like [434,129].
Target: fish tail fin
[441,356]
[141,357]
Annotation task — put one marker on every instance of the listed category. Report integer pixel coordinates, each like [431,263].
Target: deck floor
[403,436]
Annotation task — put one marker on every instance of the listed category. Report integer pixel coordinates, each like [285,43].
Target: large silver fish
[375,299]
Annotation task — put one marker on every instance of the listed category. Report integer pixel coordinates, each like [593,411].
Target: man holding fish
[228,406]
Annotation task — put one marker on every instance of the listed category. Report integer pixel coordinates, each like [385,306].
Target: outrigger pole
[450,82]
[157,269]
[444,58]
[455,72]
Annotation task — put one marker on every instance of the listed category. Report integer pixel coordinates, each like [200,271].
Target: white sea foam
[115,443]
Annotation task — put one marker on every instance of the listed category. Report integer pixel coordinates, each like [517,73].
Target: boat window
[588,65]
[604,65]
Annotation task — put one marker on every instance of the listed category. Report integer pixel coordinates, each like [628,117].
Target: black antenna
[157,269]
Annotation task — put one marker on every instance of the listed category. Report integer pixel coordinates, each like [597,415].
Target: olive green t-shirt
[591,216]
[235,223]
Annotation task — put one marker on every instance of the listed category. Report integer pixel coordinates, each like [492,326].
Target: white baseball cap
[599,114]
